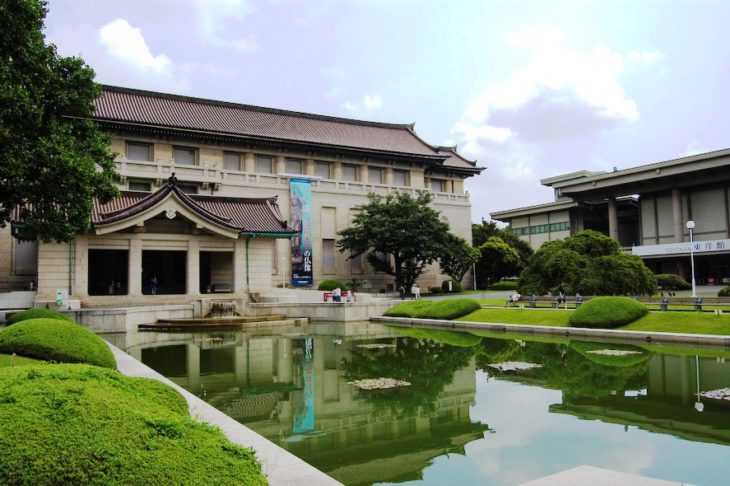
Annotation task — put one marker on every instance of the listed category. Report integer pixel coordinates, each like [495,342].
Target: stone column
[309,167]
[81,266]
[388,176]
[612,218]
[135,268]
[677,221]
[239,266]
[279,164]
[249,162]
[364,175]
[337,171]
[193,273]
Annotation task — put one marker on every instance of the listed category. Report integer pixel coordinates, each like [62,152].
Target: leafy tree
[589,263]
[482,232]
[459,258]
[53,159]
[497,260]
[399,235]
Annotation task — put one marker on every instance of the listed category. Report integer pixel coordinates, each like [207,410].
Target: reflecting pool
[482,408]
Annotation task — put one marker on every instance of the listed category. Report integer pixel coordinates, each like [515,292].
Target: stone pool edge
[645,336]
[280,466]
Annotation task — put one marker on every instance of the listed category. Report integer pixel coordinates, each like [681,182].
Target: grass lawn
[520,316]
[682,322]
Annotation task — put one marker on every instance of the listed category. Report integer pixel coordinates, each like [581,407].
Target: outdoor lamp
[690,227]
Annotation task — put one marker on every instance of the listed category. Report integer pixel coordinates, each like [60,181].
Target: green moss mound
[37,314]
[452,338]
[331,284]
[80,424]
[608,312]
[56,340]
[587,350]
[444,309]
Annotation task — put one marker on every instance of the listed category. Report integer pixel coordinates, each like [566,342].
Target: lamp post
[699,406]
[690,227]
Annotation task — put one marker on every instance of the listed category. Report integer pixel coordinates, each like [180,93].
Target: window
[375,175]
[400,178]
[438,185]
[231,161]
[264,164]
[293,166]
[188,188]
[564,226]
[323,170]
[145,186]
[349,172]
[521,231]
[328,256]
[184,155]
[139,151]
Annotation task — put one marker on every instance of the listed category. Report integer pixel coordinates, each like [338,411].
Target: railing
[212,174]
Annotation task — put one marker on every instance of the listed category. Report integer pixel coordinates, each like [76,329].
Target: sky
[528,89]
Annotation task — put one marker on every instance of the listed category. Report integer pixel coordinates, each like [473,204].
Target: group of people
[415,292]
[337,295]
[560,298]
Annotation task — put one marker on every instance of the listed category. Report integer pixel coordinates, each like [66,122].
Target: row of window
[542,228]
[264,164]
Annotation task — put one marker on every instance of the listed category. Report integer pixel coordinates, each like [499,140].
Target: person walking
[417,292]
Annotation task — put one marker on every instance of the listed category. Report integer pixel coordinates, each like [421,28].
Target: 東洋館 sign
[668,249]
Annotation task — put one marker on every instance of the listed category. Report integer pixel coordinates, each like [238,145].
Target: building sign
[300,191]
[683,248]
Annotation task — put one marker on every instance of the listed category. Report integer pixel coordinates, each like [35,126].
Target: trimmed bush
[56,340]
[331,284]
[608,312]
[80,424]
[504,285]
[37,314]
[455,286]
[435,290]
[444,309]
[725,292]
[669,281]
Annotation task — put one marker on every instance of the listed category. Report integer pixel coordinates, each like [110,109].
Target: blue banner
[300,195]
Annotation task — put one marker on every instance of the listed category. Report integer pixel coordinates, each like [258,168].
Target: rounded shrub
[37,314]
[455,286]
[504,285]
[608,312]
[669,281]
[80,424]
[443,309]
[56,340]
[435,290]
[724,292]
[331,284]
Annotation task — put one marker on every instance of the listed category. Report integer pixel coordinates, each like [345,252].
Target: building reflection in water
[291,386]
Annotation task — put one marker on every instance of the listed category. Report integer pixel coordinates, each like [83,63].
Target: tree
[399,235]
[53,159]
[459,258]
[482,232]
[497,260]
[588,263]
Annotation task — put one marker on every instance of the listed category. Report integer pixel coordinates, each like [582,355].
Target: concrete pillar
[81,267]
[612,219]
[677,220]
[364,175]
[239,266]
[249,162]
[193,367]
[280,164]
[337,171]
[193,273]
[388,176]
[135,267]
[309,167]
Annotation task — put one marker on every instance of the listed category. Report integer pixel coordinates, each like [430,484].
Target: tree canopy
[398,234]
[53,159]
[501,253]
[459,259]
[588,263]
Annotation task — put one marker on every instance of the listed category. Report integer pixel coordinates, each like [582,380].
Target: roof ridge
[262,109]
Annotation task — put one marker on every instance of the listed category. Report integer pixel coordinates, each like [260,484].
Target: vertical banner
[300,195]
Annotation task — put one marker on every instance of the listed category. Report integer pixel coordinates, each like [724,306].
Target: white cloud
[693,148]
[127,44]
[368,103]
[214,17]
[558,93]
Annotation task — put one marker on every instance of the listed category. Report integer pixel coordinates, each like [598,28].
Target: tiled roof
[456,160]
[246,215]
[149,108]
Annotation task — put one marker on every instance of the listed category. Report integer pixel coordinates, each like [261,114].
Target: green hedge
[37,314]
[443,309]
[725,292]
[504,285]
[608,312]
[669,281]
[80,424]
[331,284]
[56,340]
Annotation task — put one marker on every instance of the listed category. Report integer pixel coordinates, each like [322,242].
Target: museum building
[225,198]
[647,210]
